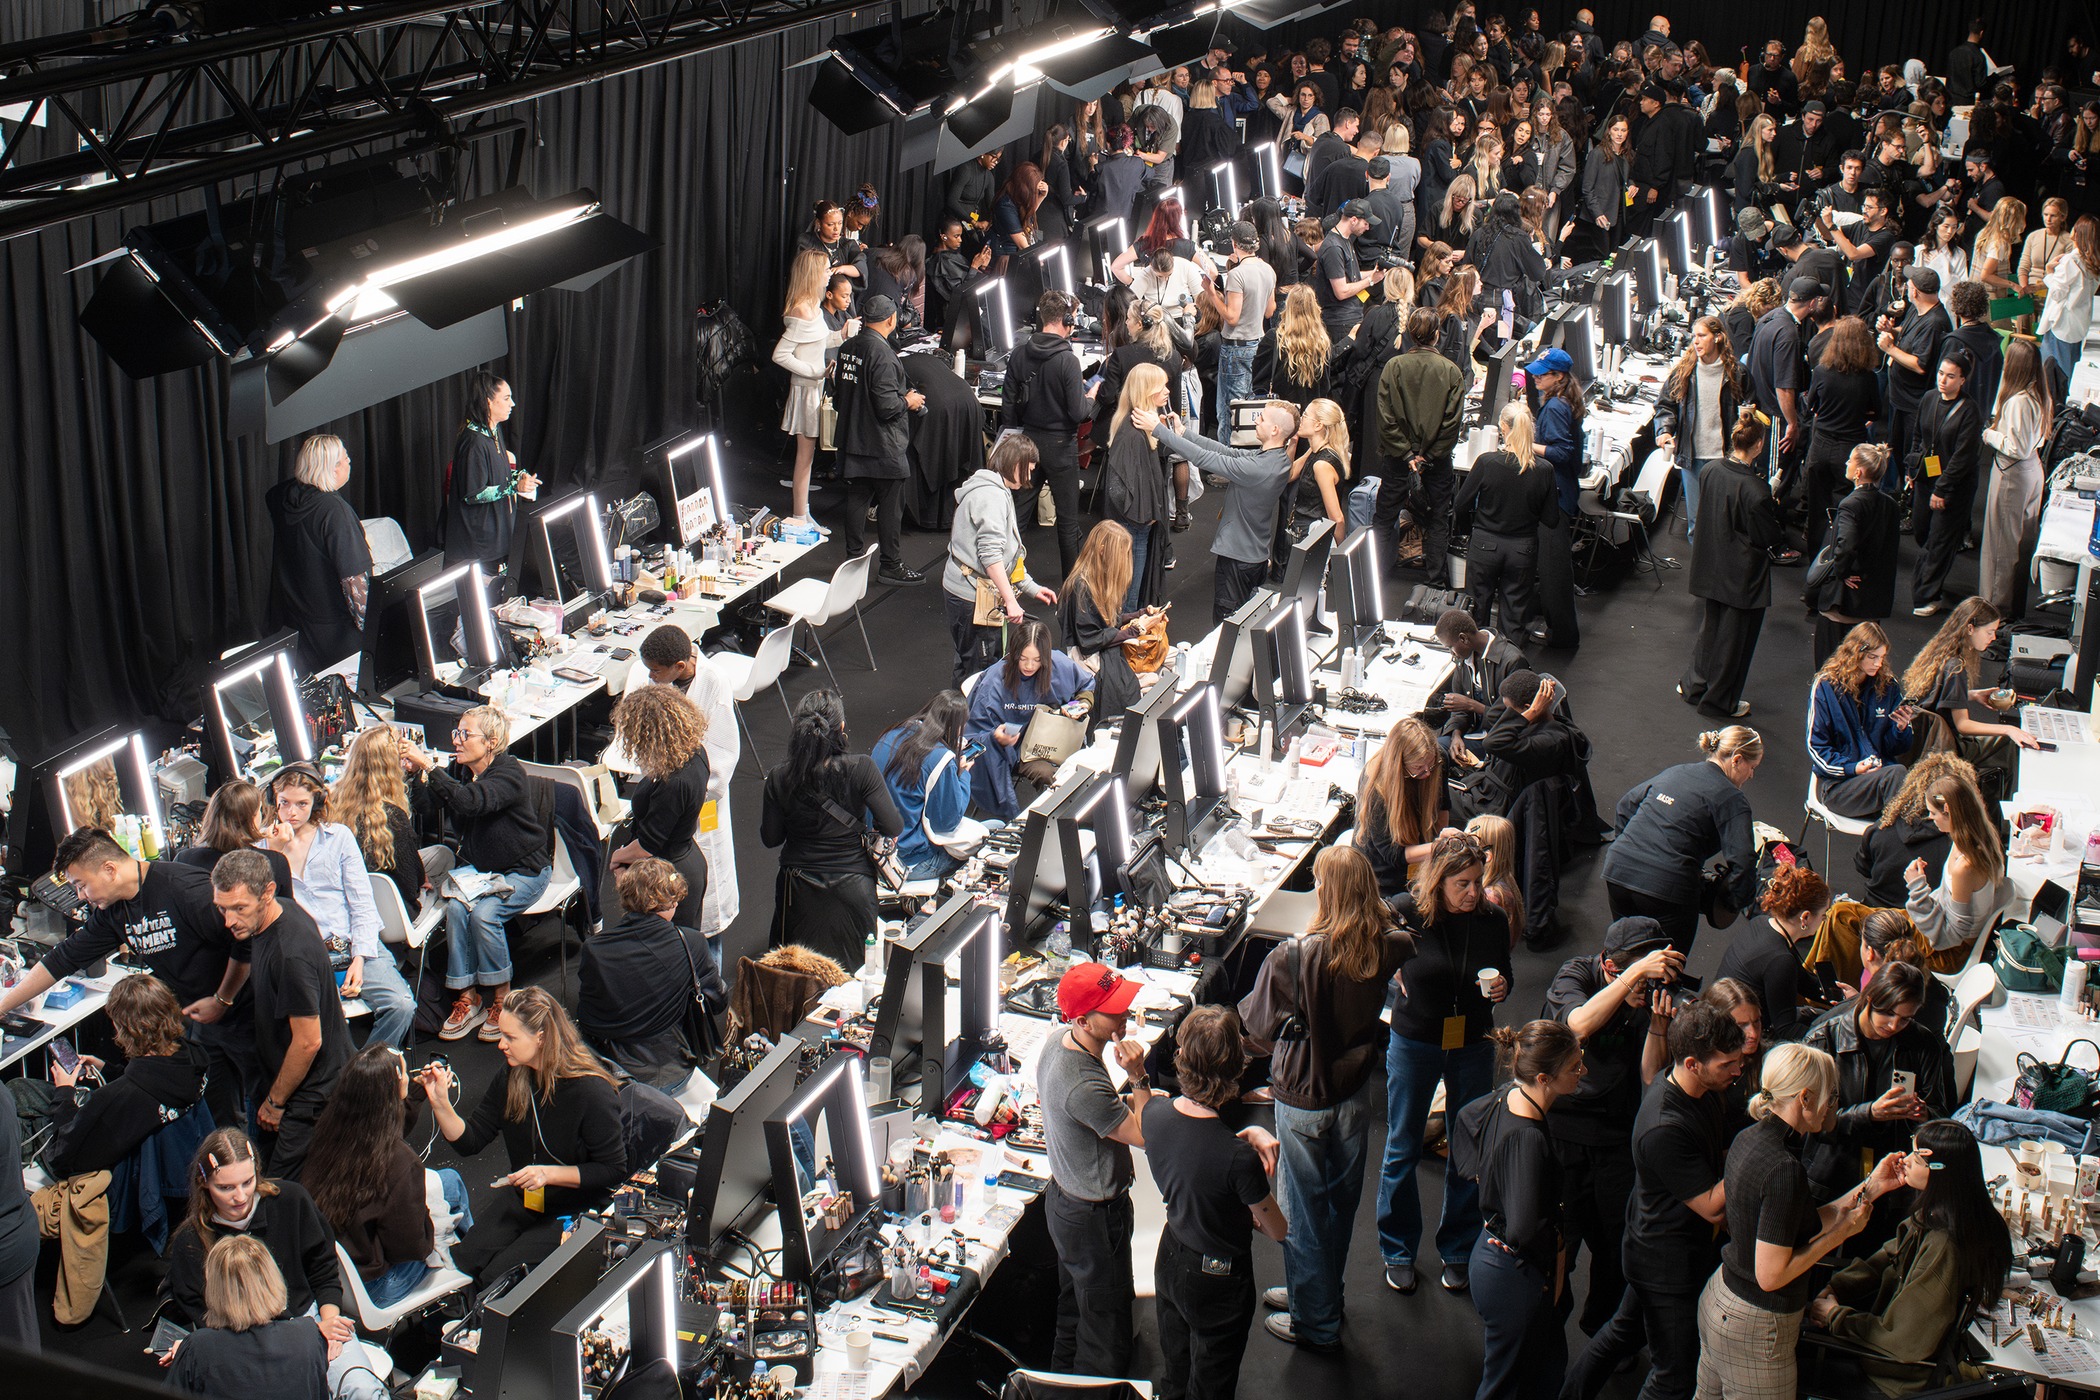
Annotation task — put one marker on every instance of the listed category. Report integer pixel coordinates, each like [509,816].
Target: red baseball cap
[1092,986]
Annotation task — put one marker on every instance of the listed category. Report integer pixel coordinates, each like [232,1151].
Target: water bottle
[2072,996]
[1060,941]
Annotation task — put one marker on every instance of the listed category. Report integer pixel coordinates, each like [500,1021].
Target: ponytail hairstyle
[1893,937]
[1736,741]
[1871,461]
[1747,438]
[1518,440]
[816,741]
[1795,1071]
[1794,891]
[1327,415]
[1535,1050]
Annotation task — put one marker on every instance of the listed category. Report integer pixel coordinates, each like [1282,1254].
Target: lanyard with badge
[535,1197]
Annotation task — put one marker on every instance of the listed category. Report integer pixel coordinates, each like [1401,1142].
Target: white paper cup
[2027,1167]
[1486,977]
[858,1345]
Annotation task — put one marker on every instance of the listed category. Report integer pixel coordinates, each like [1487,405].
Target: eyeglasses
[460,736]
[1456,842]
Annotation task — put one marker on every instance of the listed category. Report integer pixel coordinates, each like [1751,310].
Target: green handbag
[2026,964]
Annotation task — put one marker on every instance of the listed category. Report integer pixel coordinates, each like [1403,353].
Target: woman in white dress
[2013,511]
[804,338]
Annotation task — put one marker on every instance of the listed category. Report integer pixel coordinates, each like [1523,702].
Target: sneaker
[789,482]
[1741,710]
[1181,519]
[1400,1277]
[1277,1297]
[900,576]
[1786,558]
[1931,609]
[489,1029]
[1279,1325]
[1457,1278]
[467,1013]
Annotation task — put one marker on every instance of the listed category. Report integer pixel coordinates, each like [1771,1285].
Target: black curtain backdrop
[134,546]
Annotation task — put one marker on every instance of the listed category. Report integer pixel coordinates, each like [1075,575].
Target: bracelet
[273,1104]
[222,999]
[1140,1083]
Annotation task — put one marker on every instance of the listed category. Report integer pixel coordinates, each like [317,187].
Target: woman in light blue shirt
[330,882]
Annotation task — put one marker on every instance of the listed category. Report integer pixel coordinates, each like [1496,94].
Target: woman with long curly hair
[665,734]
[1698,406]
[1994,259]
[1942,678]
[368,1182]
[557,1110]
[1334,980]
[371,799]
[1400,803]
[1905,831]
[1301,352]
[1859,724]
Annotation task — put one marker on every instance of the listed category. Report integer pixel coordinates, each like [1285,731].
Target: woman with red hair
[1013,217]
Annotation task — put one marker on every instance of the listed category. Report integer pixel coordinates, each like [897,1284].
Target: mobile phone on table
[67,1057]
[1904,1080]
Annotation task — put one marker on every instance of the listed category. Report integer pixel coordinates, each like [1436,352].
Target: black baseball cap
[1633,936]
[1358,209]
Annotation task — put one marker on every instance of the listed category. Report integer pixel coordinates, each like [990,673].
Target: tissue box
[64,996]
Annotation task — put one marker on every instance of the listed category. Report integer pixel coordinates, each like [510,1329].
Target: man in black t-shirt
[1680,1149]
[1865,245]
[1913,352]
[1751,256]
[1341,277]
[1779,376]
[1608,1002]
[300,1036]
[161,911]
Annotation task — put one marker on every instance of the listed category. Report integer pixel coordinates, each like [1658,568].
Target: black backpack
[2077,430]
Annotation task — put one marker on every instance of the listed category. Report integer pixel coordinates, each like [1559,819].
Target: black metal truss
[134,115]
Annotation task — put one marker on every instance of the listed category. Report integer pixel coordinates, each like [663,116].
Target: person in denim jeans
[501,832]
[1250,292]
[1316,1005]
[1441,1020]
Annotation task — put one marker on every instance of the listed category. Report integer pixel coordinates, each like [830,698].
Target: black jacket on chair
[1739,526]
[1864,529]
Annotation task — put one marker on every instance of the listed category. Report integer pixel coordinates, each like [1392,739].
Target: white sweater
[2016,433]
[2068,313]
[800,351]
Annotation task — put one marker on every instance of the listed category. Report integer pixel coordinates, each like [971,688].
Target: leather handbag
[987,610]
[1148,651]
[2058,1088]
[1052,736]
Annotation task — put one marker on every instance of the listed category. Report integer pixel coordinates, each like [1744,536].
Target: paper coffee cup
[857,1347]
[1486,977]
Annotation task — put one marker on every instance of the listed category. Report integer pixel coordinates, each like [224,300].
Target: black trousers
[1204,1318]
[1094,1289]
[1897,433]
[283,1150]
[888,498]
[1504,567]
[1524,1347]
[1941,532]
[1057,467]
[1427,496]
[1233,584]
[234,1078]
[1557,586]
[505,1235]
[1829,634]
[1668,1321]
[1721,657]
[1679,919]
[1595,1184]
[975,647]
[1823,485]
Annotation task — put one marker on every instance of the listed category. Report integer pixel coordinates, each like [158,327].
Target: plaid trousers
[1745,1352]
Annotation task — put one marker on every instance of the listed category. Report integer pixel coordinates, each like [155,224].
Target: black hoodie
[92,1132]
[1043,391]
[1885,852]
[319,544]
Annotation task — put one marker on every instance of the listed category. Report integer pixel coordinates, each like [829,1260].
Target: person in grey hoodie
[984,543]
[1249,522]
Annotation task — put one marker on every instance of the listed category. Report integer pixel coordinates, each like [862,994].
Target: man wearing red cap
[1090,1129]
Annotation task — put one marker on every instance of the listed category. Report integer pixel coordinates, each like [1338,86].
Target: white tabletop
[56,1023]
[2069,1360]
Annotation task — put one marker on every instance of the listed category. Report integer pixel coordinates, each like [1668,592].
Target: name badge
[1932,465]
[710,819]
[535,1198]
[1454,1032]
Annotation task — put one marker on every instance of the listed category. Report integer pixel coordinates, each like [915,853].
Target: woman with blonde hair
[1485,166]
[1095,623]
[1507,497]
[1863,534]
[665,735]
[245,1345]
[1301,354]
[1134,484]
[2070,287]
[804,350]
[1997,249]
[1443,1021]
[1973,889]
[371,799]
[1672,825]
[558,1113]
[1451,221]
[1400,803]
[1815,48]
[1859,725]
[1320,468]
[1756,170]
[1334,979]
[1499,837]
[2020,423]
[320,565]
[1750,1312]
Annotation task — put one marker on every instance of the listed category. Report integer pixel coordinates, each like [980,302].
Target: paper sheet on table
[2054,726]
[538,702]
[837,1385]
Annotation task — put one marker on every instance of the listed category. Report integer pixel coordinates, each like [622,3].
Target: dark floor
[1637,634]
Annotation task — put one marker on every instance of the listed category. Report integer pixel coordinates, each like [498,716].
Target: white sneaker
[1277,1297]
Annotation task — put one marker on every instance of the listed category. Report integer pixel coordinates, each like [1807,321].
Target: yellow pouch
[1454,1033]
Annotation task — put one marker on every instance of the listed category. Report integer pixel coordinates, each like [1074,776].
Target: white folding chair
[1813,809]
[747,675]
[438,1285]
[1977,988]
[813,603]
[565,775]
[399,927]
[561,893]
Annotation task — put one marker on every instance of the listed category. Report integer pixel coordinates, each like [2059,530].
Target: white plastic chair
[1978,987]
[563,775]
[747,675]
[398,926]
[814,603]
[1814,809]
[386,544]
[436,1286]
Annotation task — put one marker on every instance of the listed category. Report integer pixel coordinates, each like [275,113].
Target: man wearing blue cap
[1558,437]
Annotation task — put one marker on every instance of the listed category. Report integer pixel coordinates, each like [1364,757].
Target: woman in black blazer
[1731,573]
[1861,586]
